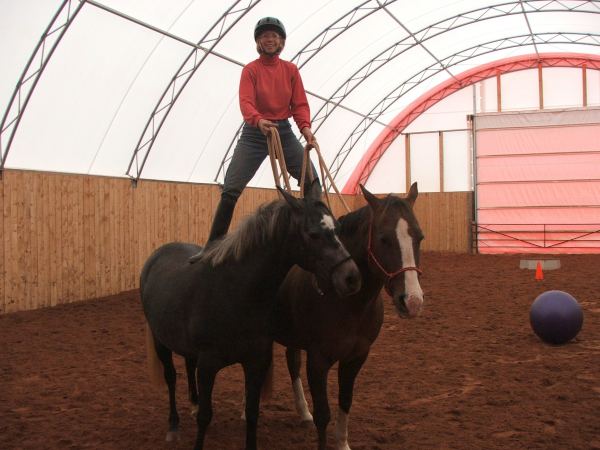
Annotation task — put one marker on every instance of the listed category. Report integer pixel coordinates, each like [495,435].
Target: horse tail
[155,367]
[266,392]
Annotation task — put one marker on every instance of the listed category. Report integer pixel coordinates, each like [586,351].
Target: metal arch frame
[337,27]
[21,106]
[416,39]
[432,70]
[185,72]
[431,31]
[10,123]
[402,120]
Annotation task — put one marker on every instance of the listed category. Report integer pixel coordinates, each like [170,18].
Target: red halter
[390,276]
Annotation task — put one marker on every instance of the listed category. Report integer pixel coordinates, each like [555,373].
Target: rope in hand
[324,173]
[276,155]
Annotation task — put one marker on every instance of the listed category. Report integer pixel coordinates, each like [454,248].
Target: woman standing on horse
[271,91]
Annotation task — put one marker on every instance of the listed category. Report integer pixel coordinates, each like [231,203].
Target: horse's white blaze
[300,401]
[328,223]
[411,280]
[341,431]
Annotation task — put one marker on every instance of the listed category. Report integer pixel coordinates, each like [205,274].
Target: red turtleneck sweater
[271,88]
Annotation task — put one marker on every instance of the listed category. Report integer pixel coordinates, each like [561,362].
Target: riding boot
[220,223]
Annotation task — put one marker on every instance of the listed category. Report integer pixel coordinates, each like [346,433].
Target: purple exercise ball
[556,317]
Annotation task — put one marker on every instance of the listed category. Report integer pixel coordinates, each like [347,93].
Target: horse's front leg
[190,368]
[317,368]
[206,371]
[294,362]
[347,372]
[255,372]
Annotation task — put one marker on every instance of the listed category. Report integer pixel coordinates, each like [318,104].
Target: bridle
[389,275]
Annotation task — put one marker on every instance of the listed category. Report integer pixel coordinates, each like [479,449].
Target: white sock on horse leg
[300,400]
[341,431]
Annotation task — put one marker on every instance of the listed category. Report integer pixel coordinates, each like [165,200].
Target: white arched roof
[154,83]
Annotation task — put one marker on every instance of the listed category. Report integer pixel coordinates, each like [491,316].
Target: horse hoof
[172,436]
[307,419]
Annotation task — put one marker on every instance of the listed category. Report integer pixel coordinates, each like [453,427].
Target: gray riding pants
[251,150]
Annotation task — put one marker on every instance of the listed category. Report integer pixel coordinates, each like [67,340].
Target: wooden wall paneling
[200,213]
[205,200]
[193,218]
[54,247]
[90,186]
[163,233]
[118,204]
[66,237]
[7,239]
[33,202]
[43,248]
[115,233]
[2,252]
[26,266]
[106,238]
[79,248]
[71,237]
[140,232]
[153,209]
[16,250]
[131,243]
[182,200]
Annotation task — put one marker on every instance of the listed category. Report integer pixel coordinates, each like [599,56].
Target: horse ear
[373,201]
[412,194]
[314,190]
[289,198]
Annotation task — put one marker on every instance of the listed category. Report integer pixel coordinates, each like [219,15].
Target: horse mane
[352,222]
[356,221]
[254,232]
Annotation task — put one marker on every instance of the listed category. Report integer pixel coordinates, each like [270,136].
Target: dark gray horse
[383,238]
[214,312]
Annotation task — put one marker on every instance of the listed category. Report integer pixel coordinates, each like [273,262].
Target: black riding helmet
[269,23]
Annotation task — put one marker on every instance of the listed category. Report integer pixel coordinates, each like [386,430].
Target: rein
[276,156]
[389,275]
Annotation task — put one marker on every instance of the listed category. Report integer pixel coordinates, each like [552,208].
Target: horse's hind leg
[294,362]
[347,372]
[190,368]
[166,357]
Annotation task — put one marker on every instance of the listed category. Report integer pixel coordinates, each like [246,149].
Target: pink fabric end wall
[539,175]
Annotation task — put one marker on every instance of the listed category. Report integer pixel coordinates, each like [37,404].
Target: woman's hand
[309,136]
[265,126]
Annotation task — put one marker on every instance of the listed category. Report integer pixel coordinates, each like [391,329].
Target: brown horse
[383,238]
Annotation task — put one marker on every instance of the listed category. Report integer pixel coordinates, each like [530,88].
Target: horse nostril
[353,282]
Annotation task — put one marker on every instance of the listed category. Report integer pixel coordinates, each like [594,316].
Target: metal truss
[34,68]
[513,66]
[412,40]
[178,82]
[336,28]
[437,29]
[452,60]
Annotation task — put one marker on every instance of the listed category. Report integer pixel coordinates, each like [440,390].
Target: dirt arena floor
[468,374]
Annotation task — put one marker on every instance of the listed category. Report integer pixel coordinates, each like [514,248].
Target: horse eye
[384,240]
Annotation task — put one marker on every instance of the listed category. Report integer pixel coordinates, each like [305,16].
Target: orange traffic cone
[539,274]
